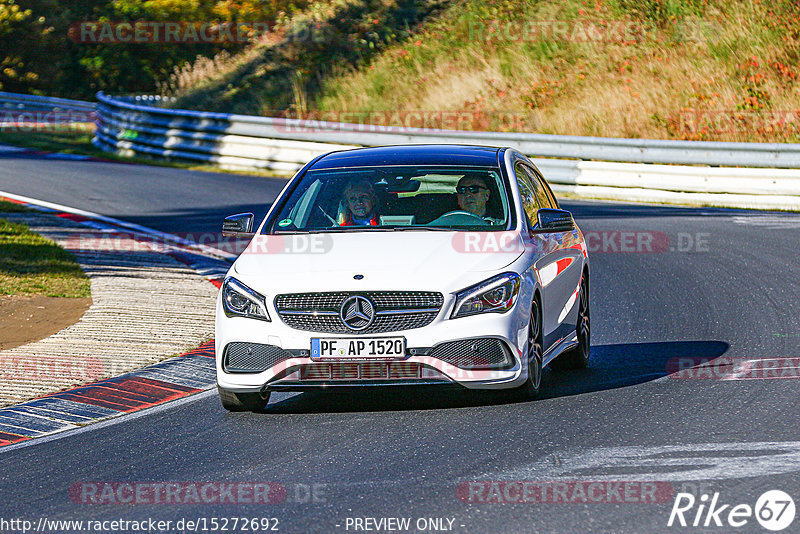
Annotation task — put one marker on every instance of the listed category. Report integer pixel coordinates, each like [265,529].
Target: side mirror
[239,225]
[551,220]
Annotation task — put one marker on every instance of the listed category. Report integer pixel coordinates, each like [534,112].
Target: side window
[545,189]
[544,199]
[550,195]
[528,194]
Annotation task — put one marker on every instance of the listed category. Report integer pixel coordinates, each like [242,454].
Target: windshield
[396,198]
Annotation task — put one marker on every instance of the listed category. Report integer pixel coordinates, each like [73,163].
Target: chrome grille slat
[394,310]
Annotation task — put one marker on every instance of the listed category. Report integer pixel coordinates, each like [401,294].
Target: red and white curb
[177,377]
[171,379]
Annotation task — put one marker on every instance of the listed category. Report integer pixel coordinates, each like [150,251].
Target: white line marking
[109,421]
[117,222]
[125,417]
[697,461]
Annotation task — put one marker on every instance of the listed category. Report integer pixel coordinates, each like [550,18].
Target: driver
[358,205]
[472,194]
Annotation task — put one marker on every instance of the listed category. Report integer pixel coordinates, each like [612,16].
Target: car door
[559,266]
[543,246]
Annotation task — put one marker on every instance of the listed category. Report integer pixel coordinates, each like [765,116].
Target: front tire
[578,357]
[243,402]
[533,385]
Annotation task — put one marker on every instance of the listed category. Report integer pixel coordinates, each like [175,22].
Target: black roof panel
[410,155]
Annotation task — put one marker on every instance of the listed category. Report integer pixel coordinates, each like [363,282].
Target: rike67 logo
[774,510]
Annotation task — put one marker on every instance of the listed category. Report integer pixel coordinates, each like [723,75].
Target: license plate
[372,348]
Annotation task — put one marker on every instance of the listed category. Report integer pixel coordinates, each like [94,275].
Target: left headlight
[495,295]
[239,300]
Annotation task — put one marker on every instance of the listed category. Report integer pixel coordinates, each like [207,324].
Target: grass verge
[33,265]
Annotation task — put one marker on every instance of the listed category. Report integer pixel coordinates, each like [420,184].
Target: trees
[42,51]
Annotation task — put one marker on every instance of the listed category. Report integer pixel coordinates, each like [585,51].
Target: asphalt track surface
[404,453]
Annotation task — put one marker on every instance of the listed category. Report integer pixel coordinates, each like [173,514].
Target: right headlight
[495,295]
[239,300]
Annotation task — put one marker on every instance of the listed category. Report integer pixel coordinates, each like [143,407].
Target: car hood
[439,261]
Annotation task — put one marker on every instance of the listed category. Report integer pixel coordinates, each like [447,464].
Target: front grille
[252,357]
[361,371]
[479,353]
[394,310]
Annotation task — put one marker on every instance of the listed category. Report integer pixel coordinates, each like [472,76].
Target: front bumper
[419,367]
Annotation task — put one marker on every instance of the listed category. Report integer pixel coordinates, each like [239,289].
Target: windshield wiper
[312,231]
[343,229]
[420,227]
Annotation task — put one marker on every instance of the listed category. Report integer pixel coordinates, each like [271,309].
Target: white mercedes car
[404,265]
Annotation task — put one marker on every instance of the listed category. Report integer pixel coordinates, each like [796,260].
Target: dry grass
[192,76]
[282,73]
[686,78]
[684,69]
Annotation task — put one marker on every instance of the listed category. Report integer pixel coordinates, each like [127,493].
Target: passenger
[472,195]
[358,207]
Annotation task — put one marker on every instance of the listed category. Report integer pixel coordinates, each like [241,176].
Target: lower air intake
[361,371]
[252,357]
[479,353]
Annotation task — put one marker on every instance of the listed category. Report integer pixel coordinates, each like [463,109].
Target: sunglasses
[461,189]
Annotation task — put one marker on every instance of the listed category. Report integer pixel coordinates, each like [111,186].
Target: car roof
[410,155]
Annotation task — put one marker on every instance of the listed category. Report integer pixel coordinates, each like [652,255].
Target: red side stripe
[562,264]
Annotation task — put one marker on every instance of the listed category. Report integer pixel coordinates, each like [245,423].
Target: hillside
[674,69]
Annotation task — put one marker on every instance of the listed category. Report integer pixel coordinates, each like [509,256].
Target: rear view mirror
[403,186]
[551,220]
[239,225]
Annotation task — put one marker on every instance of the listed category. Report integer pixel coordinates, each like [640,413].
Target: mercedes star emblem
[357,312]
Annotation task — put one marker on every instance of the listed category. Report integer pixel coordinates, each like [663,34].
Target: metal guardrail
[141,125]
[655,170]
[20,103]
[770,155]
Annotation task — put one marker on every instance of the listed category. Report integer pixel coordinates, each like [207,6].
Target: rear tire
[578,357]
[533,385]
[243,402]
